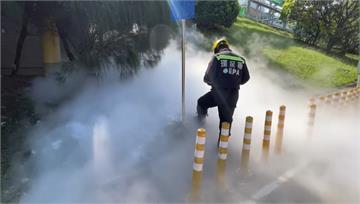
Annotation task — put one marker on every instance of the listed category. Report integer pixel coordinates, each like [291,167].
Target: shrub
[210,14]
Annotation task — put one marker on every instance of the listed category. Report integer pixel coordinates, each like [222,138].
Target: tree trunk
[21,39]
[343,52]
[317,34]
[329,45]
[63,37]
[344,48]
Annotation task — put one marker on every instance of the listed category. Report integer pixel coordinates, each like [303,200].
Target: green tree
[209,14]
[97,33]
[304,15]
[341,25]
[327,24]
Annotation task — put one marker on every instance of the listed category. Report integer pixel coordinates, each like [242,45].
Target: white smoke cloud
[114,141]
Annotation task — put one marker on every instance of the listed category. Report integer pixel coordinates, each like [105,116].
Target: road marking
[267,189]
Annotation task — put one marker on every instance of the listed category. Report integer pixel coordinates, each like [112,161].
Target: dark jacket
[226,70]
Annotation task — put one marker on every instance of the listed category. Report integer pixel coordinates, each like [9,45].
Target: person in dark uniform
[225,73]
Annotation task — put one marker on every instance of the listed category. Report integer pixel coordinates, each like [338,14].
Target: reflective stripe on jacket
[227,70]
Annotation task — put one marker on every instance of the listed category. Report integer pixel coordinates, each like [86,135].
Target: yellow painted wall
[51,47]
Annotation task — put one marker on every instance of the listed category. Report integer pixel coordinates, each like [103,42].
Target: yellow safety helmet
[219,42]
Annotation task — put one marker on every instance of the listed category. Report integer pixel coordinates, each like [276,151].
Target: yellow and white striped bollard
[343,101]
[337,99]
[222,153]
[280,130]
[348,97]
[322,100]
[267,133]
[352,96]
[357,95]
[312,100]
[198,163]
[245,153]
[311,120]
[329,99]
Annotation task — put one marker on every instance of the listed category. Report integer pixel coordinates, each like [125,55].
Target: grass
[242,33]
[282,51]
[313,66]
[254,26]
[246,33]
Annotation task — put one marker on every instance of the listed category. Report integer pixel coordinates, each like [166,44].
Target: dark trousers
[224,99]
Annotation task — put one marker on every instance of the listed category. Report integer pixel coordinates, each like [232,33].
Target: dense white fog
[122,141]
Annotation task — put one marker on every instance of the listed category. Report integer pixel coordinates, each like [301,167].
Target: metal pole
[358,81]
[183,69]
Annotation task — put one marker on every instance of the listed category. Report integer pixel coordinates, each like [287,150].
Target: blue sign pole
[181,10]
[183,69]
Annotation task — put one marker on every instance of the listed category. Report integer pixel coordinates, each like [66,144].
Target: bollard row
[223,149]
[340,99]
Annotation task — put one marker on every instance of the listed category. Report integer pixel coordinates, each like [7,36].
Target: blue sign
[182,9]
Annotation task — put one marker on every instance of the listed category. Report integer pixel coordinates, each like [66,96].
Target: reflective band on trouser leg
[222,154]
[280,130]
[198,163]
[245,153]
[267,133]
